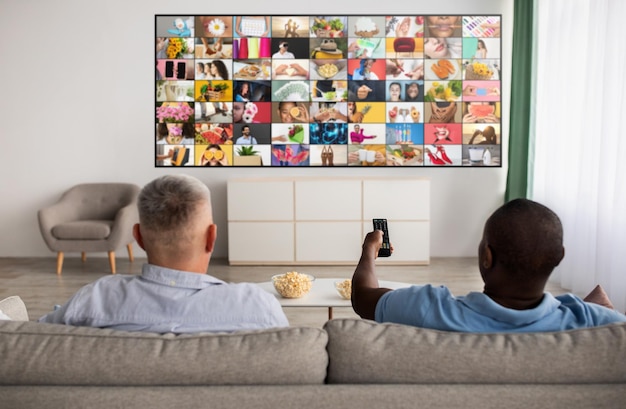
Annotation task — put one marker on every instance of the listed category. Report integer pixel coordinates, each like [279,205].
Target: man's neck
[516,303]
[198,267]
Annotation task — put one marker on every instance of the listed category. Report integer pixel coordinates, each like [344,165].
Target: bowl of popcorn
[344,288]
[292,284]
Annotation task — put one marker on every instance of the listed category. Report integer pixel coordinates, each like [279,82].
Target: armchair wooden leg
[83,256]
[129,246]
[59,262]
[112,261]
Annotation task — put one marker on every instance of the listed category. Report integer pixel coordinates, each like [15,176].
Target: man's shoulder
[246,286]
[252,288]
[114,278]
[581,307]
[110,281]
[421,291]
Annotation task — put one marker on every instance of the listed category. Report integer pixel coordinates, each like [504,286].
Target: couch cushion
[363,351]
[50,354]
[83,230]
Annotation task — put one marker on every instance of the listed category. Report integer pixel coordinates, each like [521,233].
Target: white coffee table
[323,294]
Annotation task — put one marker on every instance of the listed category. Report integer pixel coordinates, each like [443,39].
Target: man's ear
[487,259]
[137,235]
[562,256]
[211,236]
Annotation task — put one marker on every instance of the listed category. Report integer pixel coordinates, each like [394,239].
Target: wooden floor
[35,280]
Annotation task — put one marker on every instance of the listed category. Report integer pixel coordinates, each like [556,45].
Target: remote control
[381,224]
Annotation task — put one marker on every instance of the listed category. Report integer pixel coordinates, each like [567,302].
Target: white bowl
[293,284]
[344,288]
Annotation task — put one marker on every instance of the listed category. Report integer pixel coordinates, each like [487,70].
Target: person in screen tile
[412,92]
[364,71]
[246,138]
[443,26]
[283,51]
[218,70]
[214,156]
[366,90]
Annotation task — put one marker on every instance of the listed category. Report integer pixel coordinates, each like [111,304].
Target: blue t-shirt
[436,308]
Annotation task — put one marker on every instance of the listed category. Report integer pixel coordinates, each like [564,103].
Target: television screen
[328,90]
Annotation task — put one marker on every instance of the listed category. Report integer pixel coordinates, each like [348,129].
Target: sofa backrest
[362,351]
[50,354]
[346,351]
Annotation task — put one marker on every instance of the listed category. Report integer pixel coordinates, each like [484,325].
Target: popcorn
[292,284]
[344,288]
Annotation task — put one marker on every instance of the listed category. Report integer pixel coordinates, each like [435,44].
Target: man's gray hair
[170,202]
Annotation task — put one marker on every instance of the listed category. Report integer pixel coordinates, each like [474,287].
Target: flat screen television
[328,90]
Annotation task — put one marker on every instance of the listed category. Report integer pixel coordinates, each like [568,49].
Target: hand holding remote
[385,249]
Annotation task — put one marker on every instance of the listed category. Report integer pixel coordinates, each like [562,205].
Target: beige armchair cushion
[83,230]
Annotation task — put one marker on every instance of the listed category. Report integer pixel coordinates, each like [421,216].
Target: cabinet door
[328,199]
[328,242]
[410,241]
[401,199]
[260,200]
[259,242]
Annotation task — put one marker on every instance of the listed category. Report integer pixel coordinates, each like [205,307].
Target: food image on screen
[416,90]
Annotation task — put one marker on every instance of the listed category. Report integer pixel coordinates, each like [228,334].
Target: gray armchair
[91,217]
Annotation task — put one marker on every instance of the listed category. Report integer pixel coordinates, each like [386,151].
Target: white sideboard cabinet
[316,221]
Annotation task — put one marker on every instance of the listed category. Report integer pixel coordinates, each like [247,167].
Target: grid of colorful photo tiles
[338,90]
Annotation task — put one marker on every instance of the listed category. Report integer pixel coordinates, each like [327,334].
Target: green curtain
[521,93]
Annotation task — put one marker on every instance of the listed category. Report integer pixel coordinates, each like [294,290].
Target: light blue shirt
[163,300]
[242,140]
[436,308]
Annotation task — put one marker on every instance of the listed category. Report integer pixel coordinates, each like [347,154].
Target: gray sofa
[350,363]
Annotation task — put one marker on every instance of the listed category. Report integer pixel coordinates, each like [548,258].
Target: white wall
[76,106]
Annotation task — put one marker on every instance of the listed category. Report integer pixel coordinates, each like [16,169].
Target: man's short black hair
[526,237]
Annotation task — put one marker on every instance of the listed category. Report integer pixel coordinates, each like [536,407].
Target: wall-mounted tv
[328,90]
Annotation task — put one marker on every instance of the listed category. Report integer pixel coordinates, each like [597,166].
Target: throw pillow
[598,296]
[14,308]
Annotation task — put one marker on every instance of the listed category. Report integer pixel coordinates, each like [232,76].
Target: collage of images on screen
[328,90]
